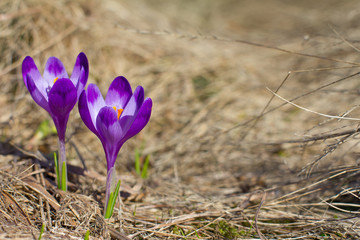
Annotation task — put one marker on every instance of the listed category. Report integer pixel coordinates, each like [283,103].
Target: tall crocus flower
[122,115]
[57,94]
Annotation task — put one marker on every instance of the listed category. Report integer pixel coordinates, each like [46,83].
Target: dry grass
[227,159]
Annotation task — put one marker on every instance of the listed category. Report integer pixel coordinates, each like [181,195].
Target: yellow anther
[119,111]
[55,79]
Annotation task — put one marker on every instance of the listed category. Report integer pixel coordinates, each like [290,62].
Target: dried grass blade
[31,183]
[12,200]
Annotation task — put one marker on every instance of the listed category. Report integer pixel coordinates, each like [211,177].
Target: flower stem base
[60,167]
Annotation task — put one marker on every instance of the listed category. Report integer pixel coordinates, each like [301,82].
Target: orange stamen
[119,111]
[55,79]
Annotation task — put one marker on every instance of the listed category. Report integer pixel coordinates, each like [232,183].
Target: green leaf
[137,161]
[57,170]
[134,212]
[115,197]
[144,172]
[108,208]
[41,231]
[87,235]
[112,200]
[44,129]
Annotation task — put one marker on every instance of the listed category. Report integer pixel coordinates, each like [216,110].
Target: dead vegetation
[228,159]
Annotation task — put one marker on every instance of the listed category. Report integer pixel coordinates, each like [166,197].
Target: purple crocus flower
[56,92]
[120,116]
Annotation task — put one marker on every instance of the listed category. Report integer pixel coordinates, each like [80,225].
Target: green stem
[56,169]
[61,173]
[63,177]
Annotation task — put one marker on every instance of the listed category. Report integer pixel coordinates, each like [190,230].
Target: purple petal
[62,97]
[80,73]
[29,69]
[119,93]
[84,111]
[36,94]
[54,69]
[131,109]
[108,127]
[95,102]
[141,120]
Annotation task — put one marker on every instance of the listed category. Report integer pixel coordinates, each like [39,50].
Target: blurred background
[207,66]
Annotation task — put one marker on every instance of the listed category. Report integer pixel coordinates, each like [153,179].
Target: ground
[253,133]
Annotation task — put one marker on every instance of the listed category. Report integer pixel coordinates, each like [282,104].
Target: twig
[283,198]
[311,111]
[41,203]
[117,235]
[8,196]
[266,106]
[256,217]
[79,155]
[328,150]
[291,100]
[222,39]
[42,181]
[343,39]
[316,138]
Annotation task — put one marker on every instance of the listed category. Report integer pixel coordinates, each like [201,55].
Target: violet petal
[29,68]
[80,73]
[85,113]
[36,94]
[95,102]
[119,93]
[141,120]
[129,114]
[54,68]
[108,127]
[62,97]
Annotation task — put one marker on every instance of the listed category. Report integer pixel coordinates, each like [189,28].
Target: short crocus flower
[57,94]
[122,115]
